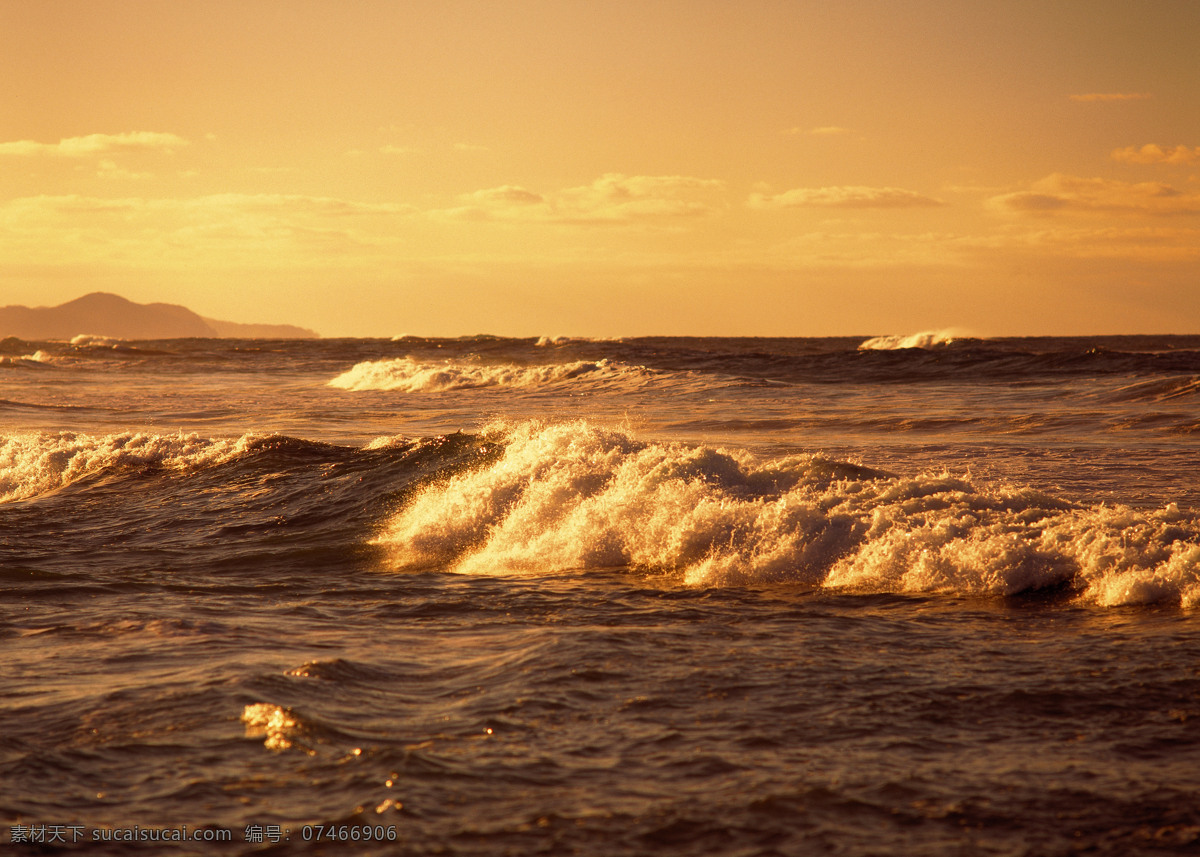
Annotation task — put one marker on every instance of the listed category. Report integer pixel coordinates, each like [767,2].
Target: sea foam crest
[409,375]
[36,464]
[576,496]
[36,359]
[552,341]
[87,340]
[924,339]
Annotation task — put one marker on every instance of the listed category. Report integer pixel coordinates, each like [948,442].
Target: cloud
[844,197]
[862,249]
[611,199]
[1152,153]
[1027,201]
[283,203]
[1072,194]
[619,197]
[1067,239]
[1112,96]
[507,195]
[255,228]
[507,202]
[95,145]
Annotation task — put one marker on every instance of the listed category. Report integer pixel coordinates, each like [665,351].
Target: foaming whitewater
[577,496]
[924,339]
[552,341]
[406,374]
[87,340]
[37,359]
[36,464]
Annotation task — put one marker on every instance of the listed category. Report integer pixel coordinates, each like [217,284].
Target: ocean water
[487,596]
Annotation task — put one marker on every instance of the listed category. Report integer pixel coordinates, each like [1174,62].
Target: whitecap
[407,374]
[577,496]
[35,464]
[924,339]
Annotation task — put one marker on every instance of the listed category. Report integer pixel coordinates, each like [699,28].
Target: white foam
[86,340]
[36,359]
[392,441]
[406,374]
[549,341]
[576,496]
[924,339]
[36,464]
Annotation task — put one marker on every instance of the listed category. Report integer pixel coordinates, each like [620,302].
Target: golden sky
[573,167]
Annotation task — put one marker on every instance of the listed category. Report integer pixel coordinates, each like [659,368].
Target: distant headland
[105,314]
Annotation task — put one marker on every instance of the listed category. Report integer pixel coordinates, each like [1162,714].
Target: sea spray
[32,464]
[578,496]
[924,339]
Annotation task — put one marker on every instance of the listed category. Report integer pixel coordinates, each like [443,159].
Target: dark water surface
[487,596]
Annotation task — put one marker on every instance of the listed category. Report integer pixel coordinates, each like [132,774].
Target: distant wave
[38,358]
[87,340]
[549,341]
[575,496]
[409,375]
[925,339]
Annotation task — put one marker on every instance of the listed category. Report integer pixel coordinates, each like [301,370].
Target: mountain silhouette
[105,314]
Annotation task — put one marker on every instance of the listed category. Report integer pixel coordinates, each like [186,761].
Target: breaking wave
[409,375]
[925,339]
[575,496]
[86,340]
[37,359]
[35,464]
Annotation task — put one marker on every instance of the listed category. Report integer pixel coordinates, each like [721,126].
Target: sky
[583,168]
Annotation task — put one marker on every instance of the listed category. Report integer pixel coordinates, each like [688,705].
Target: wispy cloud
[1072,194]
[1112,96]
[847,196]
[94,145]
[864,250]
[617,197]
[506,195]
[506,202]
[611,199]
[251,226]
[1156,244]
[1152,153]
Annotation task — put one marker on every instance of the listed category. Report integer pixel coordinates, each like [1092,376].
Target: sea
[892,595]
